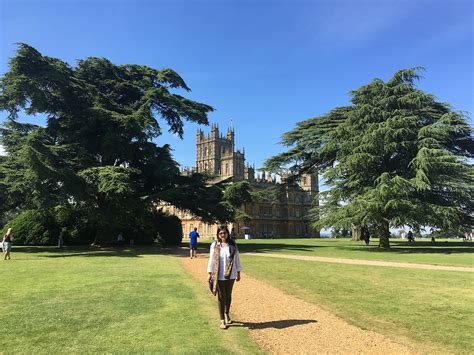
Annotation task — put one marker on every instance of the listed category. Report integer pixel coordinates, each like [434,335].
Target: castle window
[226,168]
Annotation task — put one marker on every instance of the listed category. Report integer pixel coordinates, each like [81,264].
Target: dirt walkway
[365,262]
[283,324]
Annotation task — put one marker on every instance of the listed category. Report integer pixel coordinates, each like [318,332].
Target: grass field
[431,310]
[108,302]
[83,300]
[444,252]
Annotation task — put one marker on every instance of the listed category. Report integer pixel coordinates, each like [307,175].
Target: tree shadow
[398,247]
[278,324]
[127,252]
[88,251]
[260,248]
[417,248]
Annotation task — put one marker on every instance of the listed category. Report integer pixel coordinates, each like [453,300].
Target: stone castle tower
[215,154]
[310,184]
[285,216]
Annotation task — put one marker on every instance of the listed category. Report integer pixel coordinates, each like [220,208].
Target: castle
[285,217]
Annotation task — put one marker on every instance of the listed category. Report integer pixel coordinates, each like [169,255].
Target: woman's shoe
[223,325]
[227,319]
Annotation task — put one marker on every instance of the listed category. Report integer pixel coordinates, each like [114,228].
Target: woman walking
[223,268]
[7,244]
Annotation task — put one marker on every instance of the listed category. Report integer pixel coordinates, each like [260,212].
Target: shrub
[170,229]
[150,225]
[34,228]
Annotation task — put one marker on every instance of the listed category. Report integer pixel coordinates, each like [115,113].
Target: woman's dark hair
[225,229]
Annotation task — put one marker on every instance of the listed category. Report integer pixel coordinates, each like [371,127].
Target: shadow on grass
[256,247]
[398,247]
[278,324]
[87,251]
[401,247]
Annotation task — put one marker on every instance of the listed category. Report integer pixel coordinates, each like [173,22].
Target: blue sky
[266,64]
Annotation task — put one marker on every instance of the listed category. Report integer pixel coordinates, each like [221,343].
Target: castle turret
[230,135]
[215,131]
[310,183]
[249,174]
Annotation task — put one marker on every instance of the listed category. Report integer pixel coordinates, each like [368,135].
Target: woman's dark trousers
[224,296]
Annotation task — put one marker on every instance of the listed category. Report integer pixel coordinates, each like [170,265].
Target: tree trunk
[384,235]
[356,233]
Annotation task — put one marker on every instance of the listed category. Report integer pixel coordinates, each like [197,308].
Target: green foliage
[95,154]
[271,194]
[339,233]
[34,227]
[238,193]
[394,157]
[170,229]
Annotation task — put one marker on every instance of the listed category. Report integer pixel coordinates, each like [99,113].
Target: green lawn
[109,301]
[82,300]
[431,310]
[444,252]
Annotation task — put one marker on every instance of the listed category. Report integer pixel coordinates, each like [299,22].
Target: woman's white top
[224,260]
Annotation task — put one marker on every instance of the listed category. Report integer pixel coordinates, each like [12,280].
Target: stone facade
[281,218]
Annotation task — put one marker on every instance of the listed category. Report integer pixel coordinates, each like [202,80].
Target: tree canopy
[394,157]
[96,150]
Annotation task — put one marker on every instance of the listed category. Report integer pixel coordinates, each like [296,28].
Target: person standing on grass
[193,242]
[366,236]
[7,244]
[223,268]
[120,239]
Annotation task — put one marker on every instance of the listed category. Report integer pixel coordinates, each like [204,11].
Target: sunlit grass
[443,252]
[107,302]
[430,310]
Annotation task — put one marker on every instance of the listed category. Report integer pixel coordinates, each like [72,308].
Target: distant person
[120,239]
[410,237]
[433,240]
[7,244]
[366,236]
[61,238]
[193,243]
[223,268]
[157,239]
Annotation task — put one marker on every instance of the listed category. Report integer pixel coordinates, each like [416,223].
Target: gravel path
[283,324]
[365,262]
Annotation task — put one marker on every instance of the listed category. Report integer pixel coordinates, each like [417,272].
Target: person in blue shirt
[193,243]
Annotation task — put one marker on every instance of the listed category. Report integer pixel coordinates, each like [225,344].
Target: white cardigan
[224,259]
